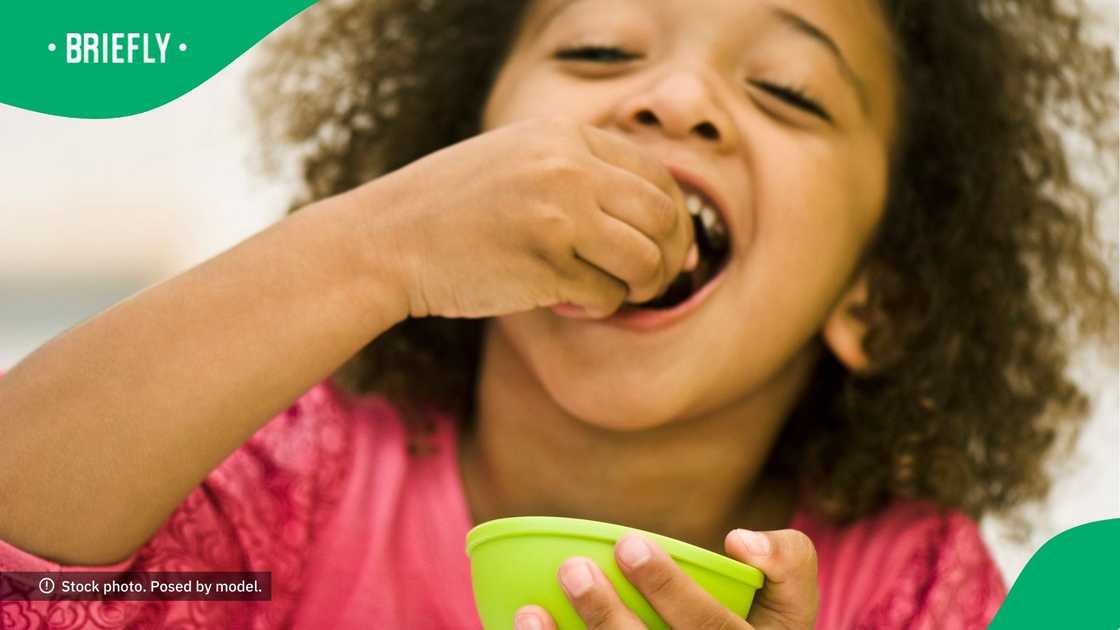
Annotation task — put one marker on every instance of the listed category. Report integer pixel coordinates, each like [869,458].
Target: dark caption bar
[136,586]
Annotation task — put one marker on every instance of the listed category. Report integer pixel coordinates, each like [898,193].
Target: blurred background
[92,211]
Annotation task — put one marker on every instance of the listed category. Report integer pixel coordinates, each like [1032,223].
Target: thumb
[788,559]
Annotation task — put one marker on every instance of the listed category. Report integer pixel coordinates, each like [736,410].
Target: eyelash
[793,95]
[599,54]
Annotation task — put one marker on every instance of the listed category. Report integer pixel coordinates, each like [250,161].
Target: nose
[682,105]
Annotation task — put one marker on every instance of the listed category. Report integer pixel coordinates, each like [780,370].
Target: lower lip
[648,320]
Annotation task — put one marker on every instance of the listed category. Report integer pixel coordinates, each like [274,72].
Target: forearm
[110,425]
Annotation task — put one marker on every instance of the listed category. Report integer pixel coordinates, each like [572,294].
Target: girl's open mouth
[714,243]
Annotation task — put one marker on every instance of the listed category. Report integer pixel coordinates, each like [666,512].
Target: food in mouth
[714,243]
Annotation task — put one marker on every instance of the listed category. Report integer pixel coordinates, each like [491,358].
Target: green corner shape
[1071,582]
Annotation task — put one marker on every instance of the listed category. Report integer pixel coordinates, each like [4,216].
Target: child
[787,280]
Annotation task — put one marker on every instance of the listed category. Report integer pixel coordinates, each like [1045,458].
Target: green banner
[88,59]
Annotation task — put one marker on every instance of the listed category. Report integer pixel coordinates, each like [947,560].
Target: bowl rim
[610,532]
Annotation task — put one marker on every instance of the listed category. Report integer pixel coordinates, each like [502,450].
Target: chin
[601,380]
[615,406]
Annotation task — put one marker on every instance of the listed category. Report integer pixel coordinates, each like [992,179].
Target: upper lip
[693,180]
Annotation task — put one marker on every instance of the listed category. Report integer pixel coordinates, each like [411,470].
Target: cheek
[521,95]
[814,214]
[497,102]
[816,205]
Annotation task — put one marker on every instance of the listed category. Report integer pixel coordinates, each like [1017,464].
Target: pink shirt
[359,533]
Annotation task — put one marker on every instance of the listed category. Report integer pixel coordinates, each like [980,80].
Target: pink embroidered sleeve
[258,511]
[947,582]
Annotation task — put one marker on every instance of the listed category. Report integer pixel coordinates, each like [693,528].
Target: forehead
[858,20]
[854,30]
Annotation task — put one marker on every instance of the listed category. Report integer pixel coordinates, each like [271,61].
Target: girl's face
[781,112]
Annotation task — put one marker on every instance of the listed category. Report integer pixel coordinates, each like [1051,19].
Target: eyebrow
[806,27]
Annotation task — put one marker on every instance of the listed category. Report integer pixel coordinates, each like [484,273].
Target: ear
[844,331]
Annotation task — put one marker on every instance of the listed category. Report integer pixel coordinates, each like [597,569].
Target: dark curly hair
[985,274]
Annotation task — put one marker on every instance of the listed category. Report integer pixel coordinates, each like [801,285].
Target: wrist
[368,254]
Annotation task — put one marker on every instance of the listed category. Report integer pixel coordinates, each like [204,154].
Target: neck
[693,479]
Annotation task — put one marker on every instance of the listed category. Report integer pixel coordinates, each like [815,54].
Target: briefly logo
[117,48]
[87,59]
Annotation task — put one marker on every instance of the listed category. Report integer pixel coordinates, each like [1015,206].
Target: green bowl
[514,562]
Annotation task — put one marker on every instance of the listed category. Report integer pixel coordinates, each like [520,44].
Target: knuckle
[667,182]
[597,613]
[645,288]
[647,262]
[567,134]
[801,549]
[555,166]
[640,293]
[644,291]
[658,581]
[713,620]
[663,216]
[658,173]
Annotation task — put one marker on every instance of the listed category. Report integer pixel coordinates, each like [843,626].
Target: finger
[570,311]
[595,291]
[617,150]
[533,618]
[594,598]
[625,253]
[673,594]
[692,259]
[661,217]
[788,559]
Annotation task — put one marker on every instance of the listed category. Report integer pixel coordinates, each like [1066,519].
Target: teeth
[709,218]
[694,204]
[711,238]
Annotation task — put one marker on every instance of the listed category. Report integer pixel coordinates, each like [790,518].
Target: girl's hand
[788,601]
[540,213]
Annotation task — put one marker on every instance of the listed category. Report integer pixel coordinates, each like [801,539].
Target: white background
[92,211]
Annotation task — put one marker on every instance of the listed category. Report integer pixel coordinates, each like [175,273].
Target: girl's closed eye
[597,54]
[794,96]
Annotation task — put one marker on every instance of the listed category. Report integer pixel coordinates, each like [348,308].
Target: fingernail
[692,261]
[527,621]
[633,551]
[576,577]
[756,543]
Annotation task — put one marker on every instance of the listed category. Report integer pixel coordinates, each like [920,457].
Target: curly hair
[985,275]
